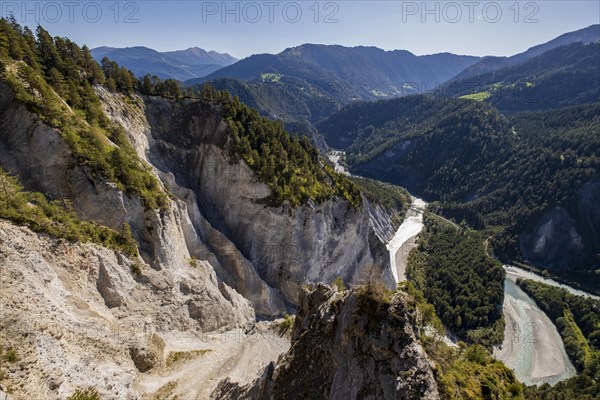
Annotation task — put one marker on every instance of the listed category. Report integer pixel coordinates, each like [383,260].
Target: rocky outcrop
[554,240]
[385,222]
[564,238]
[346,345]
[43,161]
[151,354]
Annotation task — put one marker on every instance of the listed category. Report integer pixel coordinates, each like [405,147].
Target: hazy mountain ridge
[563,76]
[489,64]
[181,64]
[390,73]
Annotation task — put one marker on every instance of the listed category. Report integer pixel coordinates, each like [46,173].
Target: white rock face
[554,242]
[265,253]
[77,316]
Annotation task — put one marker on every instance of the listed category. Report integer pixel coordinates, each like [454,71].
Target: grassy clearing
[179,357]
[480,96]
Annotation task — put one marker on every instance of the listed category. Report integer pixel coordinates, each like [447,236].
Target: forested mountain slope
[564,76]
[309,82]
[368,72]
[524,174]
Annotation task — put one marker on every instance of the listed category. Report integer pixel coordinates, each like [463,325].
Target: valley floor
[532,346]
[405,239]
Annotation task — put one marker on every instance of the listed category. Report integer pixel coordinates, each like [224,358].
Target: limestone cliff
[265,253]
[212,261]
[216,215]
[76,315]
[346,345]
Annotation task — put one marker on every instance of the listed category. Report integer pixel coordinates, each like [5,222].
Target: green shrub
[136,268]
[89,393]
[193,262]
[10,355]
[339,284]
[477,354]
[56,218]
[287,323]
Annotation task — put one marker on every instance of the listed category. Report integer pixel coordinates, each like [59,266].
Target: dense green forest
[560,77]
[362,127]
[546,163]
[270,98]
[274,99]
[463,283]
[291,90]
[578,321]
[291,166]
[495,173]
[385,194]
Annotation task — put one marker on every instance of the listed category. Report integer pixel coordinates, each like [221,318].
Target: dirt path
[199,363]
[422,211]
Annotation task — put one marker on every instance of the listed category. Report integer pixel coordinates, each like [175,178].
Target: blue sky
[246,27]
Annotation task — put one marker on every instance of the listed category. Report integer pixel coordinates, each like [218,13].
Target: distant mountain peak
[346,73]
[193,62]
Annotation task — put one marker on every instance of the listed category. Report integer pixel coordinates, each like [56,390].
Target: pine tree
[57,81]
[92,70]
[171,88]
[146,86]
[47,50]
[30,56]
[109,68]
[128,239]
[4,34]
